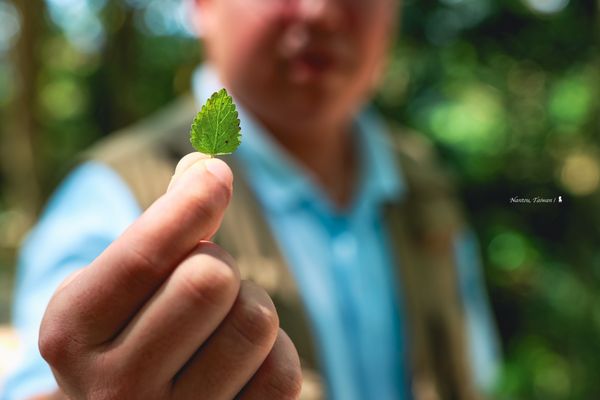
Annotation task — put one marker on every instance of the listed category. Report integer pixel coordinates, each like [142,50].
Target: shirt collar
[382,177]
[281,183]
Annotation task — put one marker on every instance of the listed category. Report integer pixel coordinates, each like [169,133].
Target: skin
[162,312]
[314,62]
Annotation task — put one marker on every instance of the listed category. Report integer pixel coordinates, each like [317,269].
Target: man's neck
[327,152]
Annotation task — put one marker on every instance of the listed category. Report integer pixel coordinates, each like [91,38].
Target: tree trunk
[20,127]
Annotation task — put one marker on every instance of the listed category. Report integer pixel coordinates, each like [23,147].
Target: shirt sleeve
[88,211]
[483,339]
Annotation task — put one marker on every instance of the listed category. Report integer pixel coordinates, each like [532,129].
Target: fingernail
[187,161]
[220,170]
[184,164]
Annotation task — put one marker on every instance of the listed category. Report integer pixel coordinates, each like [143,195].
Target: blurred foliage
[507,90]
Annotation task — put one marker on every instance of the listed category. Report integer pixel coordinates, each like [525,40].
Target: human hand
[162,313]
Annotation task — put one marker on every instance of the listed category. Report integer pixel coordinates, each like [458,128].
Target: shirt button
[345,246]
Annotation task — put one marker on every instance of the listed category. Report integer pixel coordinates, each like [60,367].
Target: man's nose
[325,13]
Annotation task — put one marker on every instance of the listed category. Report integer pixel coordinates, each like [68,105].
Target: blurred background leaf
[507,90]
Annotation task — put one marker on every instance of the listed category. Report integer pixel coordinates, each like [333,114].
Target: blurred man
[343,259]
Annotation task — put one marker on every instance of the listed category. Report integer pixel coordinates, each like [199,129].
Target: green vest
[423,228]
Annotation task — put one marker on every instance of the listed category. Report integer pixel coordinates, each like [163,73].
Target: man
[317,220]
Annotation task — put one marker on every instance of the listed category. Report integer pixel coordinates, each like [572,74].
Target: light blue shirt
[341,259]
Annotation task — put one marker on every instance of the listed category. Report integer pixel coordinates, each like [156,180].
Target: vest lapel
[423,229]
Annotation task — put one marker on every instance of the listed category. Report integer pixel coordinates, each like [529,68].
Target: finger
[180,316]
[183,164]
[70,278]
[96,305]
[221,368]
[279,377]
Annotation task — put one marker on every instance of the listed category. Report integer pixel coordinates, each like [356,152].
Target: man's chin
[312,115]
[324,83]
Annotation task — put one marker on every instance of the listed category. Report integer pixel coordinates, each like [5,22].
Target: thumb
[196,181]
[216,167]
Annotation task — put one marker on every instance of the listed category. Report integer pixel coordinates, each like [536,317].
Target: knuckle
[202,208]
[282,367]
[139,269]
[50,343]
[208,200]
[209,280]
[255,318]
[56,345]
[285,383]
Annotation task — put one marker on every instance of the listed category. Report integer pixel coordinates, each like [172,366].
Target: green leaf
[216,128]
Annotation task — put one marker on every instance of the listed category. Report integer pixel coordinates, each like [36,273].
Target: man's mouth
[308,65]
[317,61]
[313,58]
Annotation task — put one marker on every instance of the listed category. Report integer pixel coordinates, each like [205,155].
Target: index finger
[101,299]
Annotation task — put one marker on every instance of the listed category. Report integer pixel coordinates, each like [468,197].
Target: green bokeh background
[508,94]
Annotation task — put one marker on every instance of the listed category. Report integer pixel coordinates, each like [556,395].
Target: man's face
[298,61]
